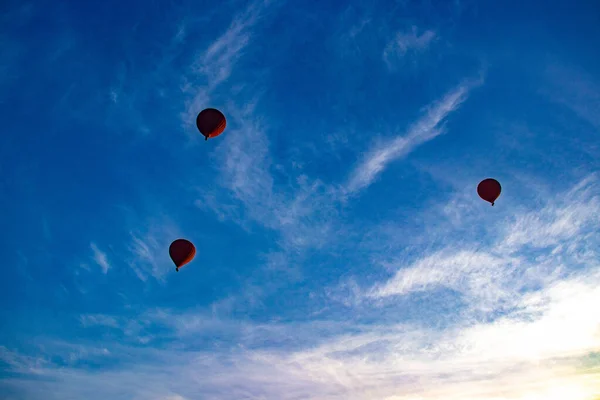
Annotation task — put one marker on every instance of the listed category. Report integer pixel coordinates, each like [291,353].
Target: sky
[342,250]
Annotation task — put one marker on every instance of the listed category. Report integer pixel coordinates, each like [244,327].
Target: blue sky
[342,251]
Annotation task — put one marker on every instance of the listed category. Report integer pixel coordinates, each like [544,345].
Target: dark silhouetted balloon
[489,190]
[210,122]
[182,252]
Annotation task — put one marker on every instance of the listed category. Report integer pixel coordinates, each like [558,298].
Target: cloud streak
[100,258]
[215,65]
[405,42]
[148,257]
[427,128]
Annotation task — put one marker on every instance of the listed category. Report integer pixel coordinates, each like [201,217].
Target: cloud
[532,351]
[301,210]
[148,257]
[425,129]
[405,42]
[98,320]
[528,250]
[19,362]
[572,214]
[244,163]
[212,67]
[305,211]
[100,258]
[525,327]
[219,58]
[527,330]
[215,65]
[457,270]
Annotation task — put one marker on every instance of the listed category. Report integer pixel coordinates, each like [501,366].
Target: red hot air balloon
[489,190]
[182,252]
[210,122]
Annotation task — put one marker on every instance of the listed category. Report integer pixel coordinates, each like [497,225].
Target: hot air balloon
[182,251]
[210,122]
[489,190]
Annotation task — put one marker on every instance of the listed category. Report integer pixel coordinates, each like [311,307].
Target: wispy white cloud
[220,57]
[458,270]
[19,362]
[530,249]
[215,64]
[98,320]
[100,258]
[534,337]
[405,42]
[148,248]
[300,210]
[305,211]
[531,350]
[572,214]
[212,67]
[425,129]
[526,354]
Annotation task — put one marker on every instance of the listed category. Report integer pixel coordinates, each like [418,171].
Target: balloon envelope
[182,252]
[211,122]
[489,190]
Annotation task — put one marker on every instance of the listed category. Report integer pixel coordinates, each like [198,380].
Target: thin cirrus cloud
[245,169]
[542,346]
[217,62]
[496,275]
[148,257]
[98,320]
[405,42]
[151,235]
[306,213]
[100,258]
[302,211]
[427,128]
